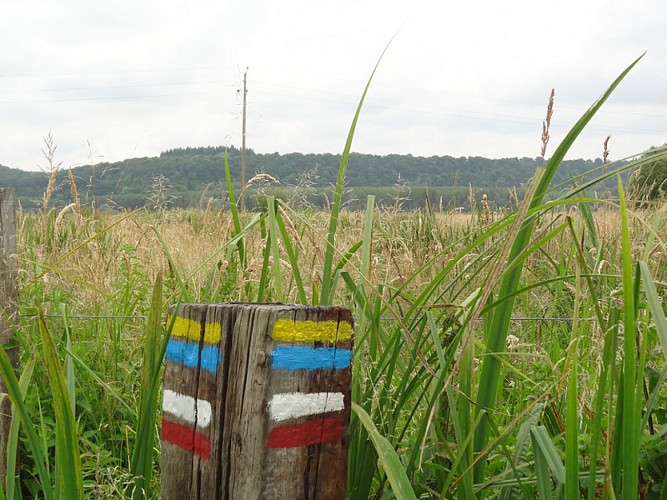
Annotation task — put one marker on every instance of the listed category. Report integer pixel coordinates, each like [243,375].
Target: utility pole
[245,92]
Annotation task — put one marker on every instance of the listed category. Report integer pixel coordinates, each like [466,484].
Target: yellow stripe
[186,328]
[191,330]
[311,331]
[212,333]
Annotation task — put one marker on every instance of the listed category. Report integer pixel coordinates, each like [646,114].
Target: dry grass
[104,263]
[100,251]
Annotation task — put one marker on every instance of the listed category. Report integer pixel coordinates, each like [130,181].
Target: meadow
[413,280]
[515,355]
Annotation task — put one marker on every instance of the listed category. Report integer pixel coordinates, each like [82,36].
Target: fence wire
[102,316]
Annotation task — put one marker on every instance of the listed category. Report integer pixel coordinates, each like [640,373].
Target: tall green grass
[453,397]
[500,319]
[61,475]
[411,395]
[67,465]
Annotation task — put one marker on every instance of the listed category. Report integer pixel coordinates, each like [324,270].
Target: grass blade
[631,415]
[326,295]
[655,230]
[572,422]
[655,305]
[69,478]
[13,441]
[95,376]
[606,373]
[501,318]
[69,362]
[235,211]
[541,469]
[266,254]
[292,254]
[389,459]
[545,445]
[35,444]
[275,251]
[172,264]
[521,447]
[154,350]
[461,423]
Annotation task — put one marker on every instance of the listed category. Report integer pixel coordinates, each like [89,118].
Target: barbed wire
[87,316]
[143,317]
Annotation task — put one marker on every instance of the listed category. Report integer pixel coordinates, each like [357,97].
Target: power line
[108,87]
[113,98]
[114,72]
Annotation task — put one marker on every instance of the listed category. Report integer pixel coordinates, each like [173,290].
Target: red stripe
[311,432]
[186,438]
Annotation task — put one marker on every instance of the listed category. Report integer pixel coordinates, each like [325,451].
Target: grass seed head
[73,190]
[546,124]
[605,154]
[485,207]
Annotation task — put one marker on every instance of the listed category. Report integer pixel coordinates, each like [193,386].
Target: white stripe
[299,404]
[187,408]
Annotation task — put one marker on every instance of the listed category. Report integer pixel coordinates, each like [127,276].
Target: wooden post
[257,402]
[9,312]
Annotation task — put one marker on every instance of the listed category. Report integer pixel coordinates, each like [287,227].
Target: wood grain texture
[9,304]
[241,463]
[179,467]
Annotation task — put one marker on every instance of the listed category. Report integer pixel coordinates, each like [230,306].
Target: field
[515,355]
[414,281]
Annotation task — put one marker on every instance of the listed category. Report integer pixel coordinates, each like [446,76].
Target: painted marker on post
[300,404]
[193,411]
[311,432]
[288,357]
[308,331]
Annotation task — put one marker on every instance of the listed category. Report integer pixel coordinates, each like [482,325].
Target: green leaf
[631,414]
[603,381]
[235,211]
[521,446]
[149,392]
[572,422]
[542,441]
[13,441]
[69,363]
[388,457]
[327,270]
[69,477]
[292,253]
[541,466]
[275,251]
[501,318]
[655,305]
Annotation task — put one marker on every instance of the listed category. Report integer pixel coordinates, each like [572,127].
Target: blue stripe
[188,354]
[286,357]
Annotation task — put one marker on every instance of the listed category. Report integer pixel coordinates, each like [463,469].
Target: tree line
[194,176]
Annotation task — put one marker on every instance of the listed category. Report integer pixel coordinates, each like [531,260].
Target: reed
[462,387]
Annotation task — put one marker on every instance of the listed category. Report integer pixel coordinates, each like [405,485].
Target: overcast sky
[120,79]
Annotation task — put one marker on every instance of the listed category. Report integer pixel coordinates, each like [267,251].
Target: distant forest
[195,177]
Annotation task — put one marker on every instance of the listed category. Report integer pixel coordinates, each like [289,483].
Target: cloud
[136,78]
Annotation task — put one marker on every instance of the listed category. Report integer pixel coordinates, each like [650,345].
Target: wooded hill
[192,176]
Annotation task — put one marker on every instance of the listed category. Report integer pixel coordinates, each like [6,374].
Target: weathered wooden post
[257,402]
[9,305]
